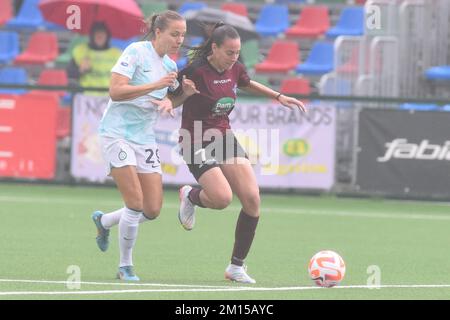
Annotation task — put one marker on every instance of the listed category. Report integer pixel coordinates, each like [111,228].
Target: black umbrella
[197,19]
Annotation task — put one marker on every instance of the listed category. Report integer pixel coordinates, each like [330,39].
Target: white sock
[112,218]
[128,230]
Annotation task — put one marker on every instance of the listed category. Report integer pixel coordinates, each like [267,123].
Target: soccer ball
[326,268]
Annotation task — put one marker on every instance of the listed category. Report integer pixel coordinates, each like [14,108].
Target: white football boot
[238,274]
[186,214]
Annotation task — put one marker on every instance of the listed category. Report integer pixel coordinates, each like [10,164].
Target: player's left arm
[184,91]
[257,88]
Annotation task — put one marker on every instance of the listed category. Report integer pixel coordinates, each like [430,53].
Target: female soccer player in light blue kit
[139,83]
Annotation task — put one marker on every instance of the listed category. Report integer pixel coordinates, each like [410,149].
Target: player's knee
[252,202]
[221,201]
[151,214]
[152,211]
[134,202]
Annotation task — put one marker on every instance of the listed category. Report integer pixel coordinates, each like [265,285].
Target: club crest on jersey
[122,155]
[223,106]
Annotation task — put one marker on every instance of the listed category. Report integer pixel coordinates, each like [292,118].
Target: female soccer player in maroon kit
[211,151]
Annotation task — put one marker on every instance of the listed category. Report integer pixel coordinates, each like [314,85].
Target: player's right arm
[120,89]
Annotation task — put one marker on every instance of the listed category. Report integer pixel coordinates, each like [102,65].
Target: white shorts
[119,153]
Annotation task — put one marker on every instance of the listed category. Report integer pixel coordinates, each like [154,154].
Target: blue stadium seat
[195,41]
[351,23]
[122,44]
[320,59]
[13,75]
[446,107]
[182,62]
[9,46]
[30,17]
[438,73]
[273,20]
[186,6]
[419,106]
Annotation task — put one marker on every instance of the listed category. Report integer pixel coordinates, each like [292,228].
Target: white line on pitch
[110,283]
[300,211]
[230,289]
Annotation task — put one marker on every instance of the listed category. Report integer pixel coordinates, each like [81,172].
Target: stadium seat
[54,77]
[195,41]
[351,23]
[42,47]
[312,22]
[352,64]
[29,16]
[295,86]
[446,107]
[13,75]
[319,61]
[122,44]
[64,58]
[9,46]
[235,7]
[250,53]
[181,61]
[186,6]
[418,106]
[283,56]
[273,20]
[438,73]
[6,11]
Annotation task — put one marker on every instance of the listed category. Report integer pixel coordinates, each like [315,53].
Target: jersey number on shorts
[150,158]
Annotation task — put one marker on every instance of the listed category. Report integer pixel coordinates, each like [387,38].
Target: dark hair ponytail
[219,33]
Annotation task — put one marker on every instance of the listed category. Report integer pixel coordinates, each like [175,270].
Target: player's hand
[292,103]
[189,87]
[166,81]
[164,106]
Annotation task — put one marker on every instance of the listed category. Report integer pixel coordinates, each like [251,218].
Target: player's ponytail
[219,33]
[160,21]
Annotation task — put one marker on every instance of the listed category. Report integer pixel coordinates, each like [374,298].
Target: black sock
[243,238]
[194,196]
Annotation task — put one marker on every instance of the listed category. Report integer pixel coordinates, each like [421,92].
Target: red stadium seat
[42,47]
[54,77]
[6,11]
[312,22]
[354,64]
[238,8]
[295,86]
[283,56]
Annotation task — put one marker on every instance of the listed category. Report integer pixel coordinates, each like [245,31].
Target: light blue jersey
[134,119]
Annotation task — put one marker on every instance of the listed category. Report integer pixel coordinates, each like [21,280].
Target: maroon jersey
[216,98]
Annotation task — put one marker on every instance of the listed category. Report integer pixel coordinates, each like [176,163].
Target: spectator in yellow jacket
[92,62]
